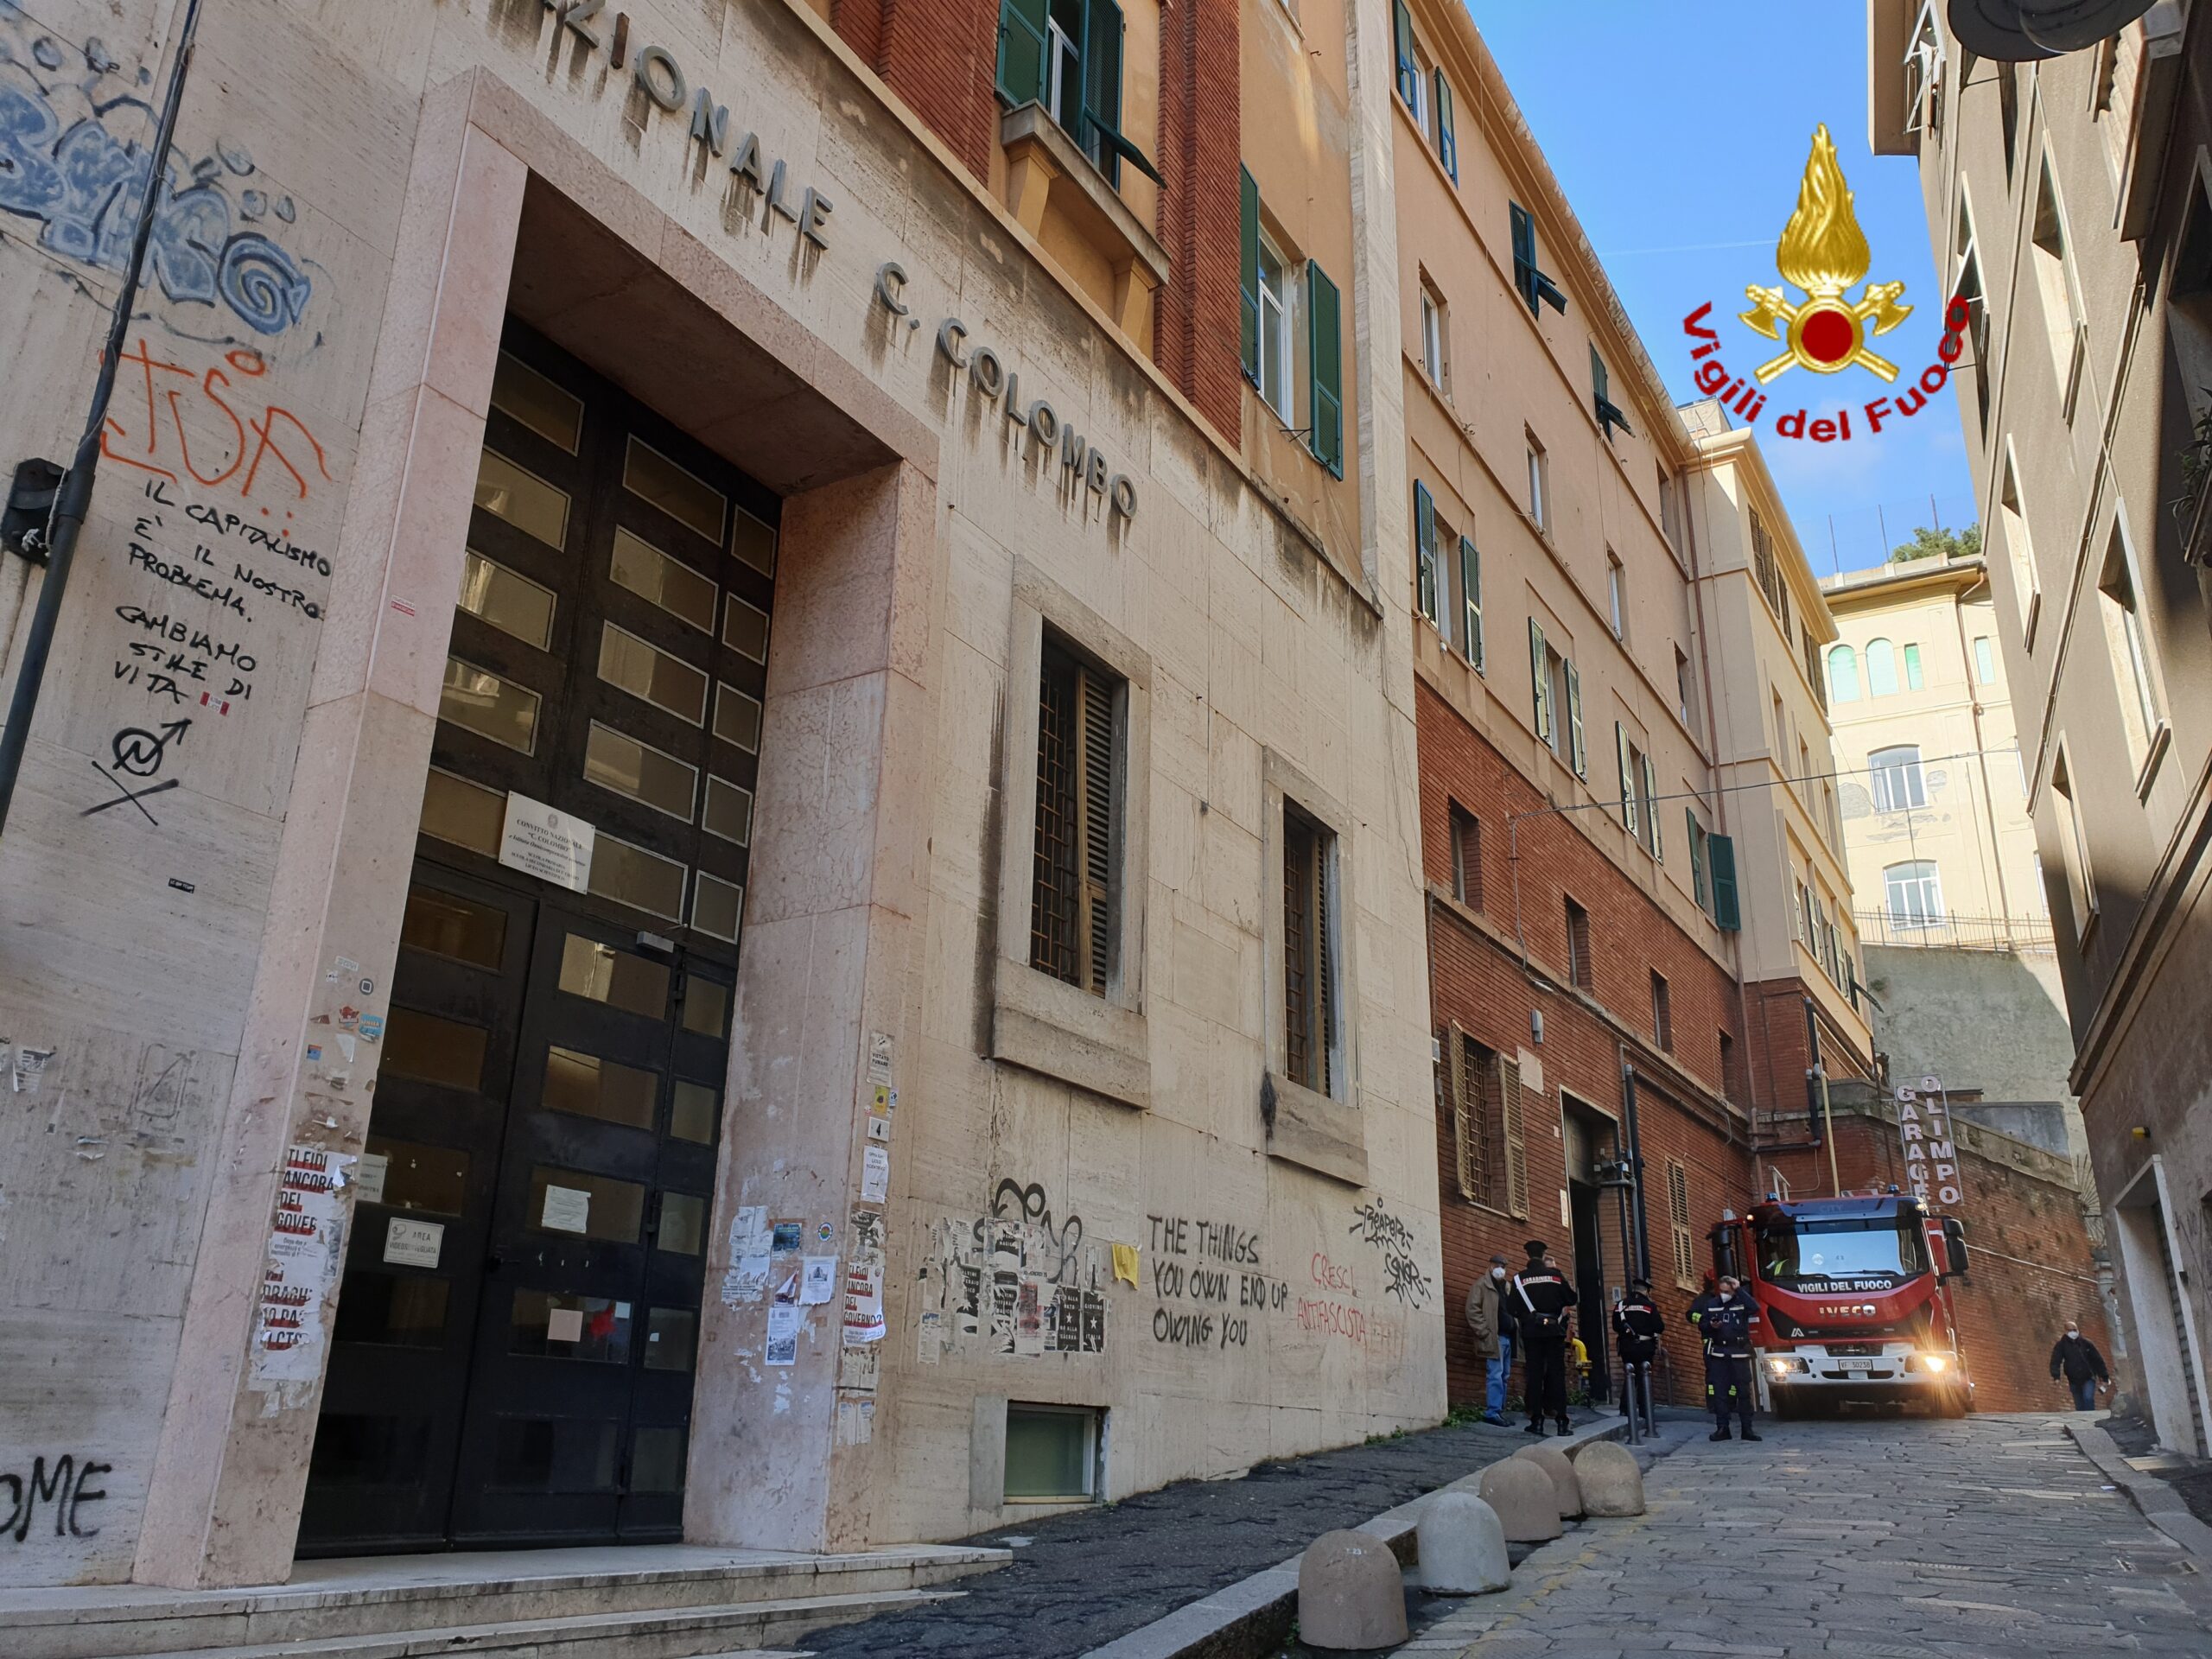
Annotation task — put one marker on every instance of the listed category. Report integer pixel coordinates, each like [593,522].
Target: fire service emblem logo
[1823,252]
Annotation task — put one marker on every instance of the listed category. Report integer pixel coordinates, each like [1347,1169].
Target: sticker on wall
[855,1422]
[875,1174]
[879,1058]
[564,1325]
[369,1179]
[746,1280]
[783,1321]
[568,1209]
[413,1243]
[818,1280]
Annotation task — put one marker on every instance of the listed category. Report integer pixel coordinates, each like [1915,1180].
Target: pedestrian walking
[1637,1322]
[1490,1318]
[2076,1357]
[1542,1298]
[1723,1318]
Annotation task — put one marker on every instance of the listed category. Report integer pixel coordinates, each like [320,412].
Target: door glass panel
[706,1006]
[396,1310]
[446,925]
[523,498]
[356,1449]
[737,717]
[656,1460]
[682,495]
[646,670]
[683,1223]
[616,762]
[551,410]
[729,811]
[468,815]
[588,1086]
[418,1045]
[756,542]
[670,1333]
[603,974]
[561,1327]
[408,1175]
[510,602]
[715,906]
[668,583]
[595,1206]
[744,629]
[631,875]
[554,1454]
[691,1117]
[479,701]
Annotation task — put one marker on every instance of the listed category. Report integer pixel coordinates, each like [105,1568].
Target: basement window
[1051,1453]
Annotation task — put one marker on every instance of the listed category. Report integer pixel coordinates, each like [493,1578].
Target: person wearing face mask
[1723,1318]
[1637,1322]
[2077,1357]
[1490,1318]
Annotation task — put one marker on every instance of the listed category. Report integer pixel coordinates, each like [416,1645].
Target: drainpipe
[1817,1079]
[1635,1163]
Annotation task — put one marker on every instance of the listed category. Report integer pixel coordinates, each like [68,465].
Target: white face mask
[2071,1331]
[1497,1273]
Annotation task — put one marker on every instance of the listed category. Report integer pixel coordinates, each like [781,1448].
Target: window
[1984,661]
[1310,953]
[1051,1453]
[1767,571]
[1536,289]
[1685,686]
[1912,668]
[1678,1218]
[1425,567]
[2124,640]
[1670,508]
[1843,674]
[1270,283]
[1433,359]
[2062,324]
[1699,890]
[1558,694]
[1616,600]
[1727,1066]
[1409,70]
[1881,669]
[1540,491]
[1720,854]
[1276,352]
[1915,895]
[1470,604]
[2027,590]
[1578,945]
[1627,754]
[1467,858]
[1662,1014]
[1813,677]
[1781,730]
[1448,138]
[1895,778]
[1639,792]
[1601,402]
[2074,846]
[1800,925]
[1066,55]
[1419,102]
[1491,1158]
[1076,882]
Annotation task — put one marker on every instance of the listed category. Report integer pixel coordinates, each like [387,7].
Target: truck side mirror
[1955,1246]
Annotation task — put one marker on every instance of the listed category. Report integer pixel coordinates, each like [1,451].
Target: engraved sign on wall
[546,843]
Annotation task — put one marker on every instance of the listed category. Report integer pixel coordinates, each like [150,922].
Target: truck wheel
[1784,1403]
[1952,1402]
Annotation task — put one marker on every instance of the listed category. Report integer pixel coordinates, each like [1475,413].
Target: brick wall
[1477,979]
[941,57]
[1196,324]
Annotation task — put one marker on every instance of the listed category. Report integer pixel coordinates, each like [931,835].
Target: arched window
[1881,669]
[1895,774]
[1914,893]
[1843,674]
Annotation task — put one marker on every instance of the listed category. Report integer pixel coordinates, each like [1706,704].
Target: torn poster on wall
[306,1249]
[1007,1285]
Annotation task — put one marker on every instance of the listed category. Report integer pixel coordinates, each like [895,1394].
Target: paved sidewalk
[1992,1538]
[1086,1577]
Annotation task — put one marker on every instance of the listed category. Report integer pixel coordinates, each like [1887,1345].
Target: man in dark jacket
[2077,1357]
[1540,1299]
[1637,1322]
[1723,1319]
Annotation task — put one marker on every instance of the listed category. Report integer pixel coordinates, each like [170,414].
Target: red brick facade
[941,57]
[1196,327]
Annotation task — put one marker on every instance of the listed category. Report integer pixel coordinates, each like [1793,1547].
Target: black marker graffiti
[67,1486]
[140,753]
[1037,1206]
[1401,1275]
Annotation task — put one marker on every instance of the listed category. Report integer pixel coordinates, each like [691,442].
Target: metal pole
[74,498]
[1820,1073]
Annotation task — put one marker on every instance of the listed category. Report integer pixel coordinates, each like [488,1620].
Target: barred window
[1578,945]
[1491,1159]
[1467,858]
[1077,887]
[1309,957]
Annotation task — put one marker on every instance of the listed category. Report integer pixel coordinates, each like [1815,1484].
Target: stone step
[409,1596]
[754,1630]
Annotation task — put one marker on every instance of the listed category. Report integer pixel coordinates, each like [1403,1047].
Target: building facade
[2071,206]
[719,848]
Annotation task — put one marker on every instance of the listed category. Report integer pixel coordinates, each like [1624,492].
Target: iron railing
[1954,932]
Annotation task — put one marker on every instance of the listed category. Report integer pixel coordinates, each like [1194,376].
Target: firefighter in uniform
[1637,1322]
[1541,1297]
[1723,1318]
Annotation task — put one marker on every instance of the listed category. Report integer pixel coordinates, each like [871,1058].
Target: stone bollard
[1526,1501]
[1462,1546]
[1611,1482]
[1349,1593]
[1553,1462]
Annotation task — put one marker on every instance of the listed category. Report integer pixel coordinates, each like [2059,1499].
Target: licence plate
[1856,1364]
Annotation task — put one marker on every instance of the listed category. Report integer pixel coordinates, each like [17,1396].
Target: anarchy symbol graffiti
[140,753]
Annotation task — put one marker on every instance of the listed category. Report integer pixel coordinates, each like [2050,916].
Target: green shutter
[1541,680]
[1471,592]
[1100,133]
[1247,251]
[1402,32]
[1721,849]
[1325,339]
[1524,255]
[1021,50]
[1425,549]
[1696,838]
[1628,776]
[1577,756]
[1651,806]
[1447,144]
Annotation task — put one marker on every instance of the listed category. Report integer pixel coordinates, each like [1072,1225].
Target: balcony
[1954,932]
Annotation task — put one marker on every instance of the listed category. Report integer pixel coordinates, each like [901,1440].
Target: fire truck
[1853,1301]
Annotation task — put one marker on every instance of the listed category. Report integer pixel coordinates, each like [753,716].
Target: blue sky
[1679,134]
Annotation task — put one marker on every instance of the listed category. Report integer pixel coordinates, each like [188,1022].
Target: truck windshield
[1840,1249]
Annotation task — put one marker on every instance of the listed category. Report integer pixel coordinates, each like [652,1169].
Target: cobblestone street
[1888,1539]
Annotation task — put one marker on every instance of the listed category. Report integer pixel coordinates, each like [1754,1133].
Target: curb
[2161,1505]
[1227,1622]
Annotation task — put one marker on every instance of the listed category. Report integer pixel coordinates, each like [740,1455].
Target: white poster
[568,1209]
[370,1177]
[875,1173]
[306,1247]
[783,1321]
[544,841]
[817,1279]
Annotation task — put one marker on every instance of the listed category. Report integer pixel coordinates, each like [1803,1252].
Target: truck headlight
[1933,1362]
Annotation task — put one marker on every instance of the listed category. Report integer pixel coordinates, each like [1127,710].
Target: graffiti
[1401,1275]
[1012,1283]
[76,140]
[1036,1207]
[66,1486]
[138,753]
[261,436]
[1185,1252]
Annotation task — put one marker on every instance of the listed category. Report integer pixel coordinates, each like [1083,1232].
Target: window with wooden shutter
[1401,30]
[1578,945]
[1074,895]
[1021,50]
[1696,831]
[1248,268]
[1471,603]
[1654,840]
[1540,674]
[1465,1117]
[1515,1153]
[1326,351]
[1447,143]
[1678,1214]
[1626,755]
[1425,583]
[1467,858]
[1721,851]
[1578,755]
[1309,966]
[1608,412]
[1536,290]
